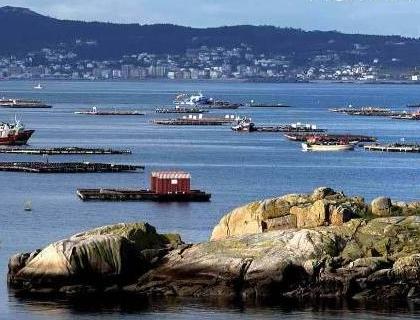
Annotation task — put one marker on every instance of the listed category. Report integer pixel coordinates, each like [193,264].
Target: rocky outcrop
[323,206]
[97,258]
[361,258]
[353,259]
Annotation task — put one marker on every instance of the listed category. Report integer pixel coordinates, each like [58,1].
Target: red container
[164,182]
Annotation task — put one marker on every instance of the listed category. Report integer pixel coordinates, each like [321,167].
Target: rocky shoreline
[306,246]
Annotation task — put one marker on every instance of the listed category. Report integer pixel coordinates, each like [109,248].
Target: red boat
[14,133]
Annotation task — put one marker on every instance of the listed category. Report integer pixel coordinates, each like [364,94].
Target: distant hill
[22,30]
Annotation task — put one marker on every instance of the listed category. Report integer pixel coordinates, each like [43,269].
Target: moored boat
[327,146]
[315,144]
[244,124]
[14,133]
[200,101]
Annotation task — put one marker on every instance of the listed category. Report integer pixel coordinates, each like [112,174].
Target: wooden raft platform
[194,122]
[329,137]
[285,128]
[110,113]
[66,167]
[397,147]
[180,110]
[140,195]
[62,150]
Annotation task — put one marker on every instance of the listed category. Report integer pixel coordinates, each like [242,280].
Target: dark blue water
[235,167]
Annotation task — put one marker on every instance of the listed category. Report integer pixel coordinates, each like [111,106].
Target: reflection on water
[108,307]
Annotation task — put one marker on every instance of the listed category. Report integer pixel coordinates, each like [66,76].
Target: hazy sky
[361,16]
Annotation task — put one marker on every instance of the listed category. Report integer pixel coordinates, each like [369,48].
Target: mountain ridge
[24,30]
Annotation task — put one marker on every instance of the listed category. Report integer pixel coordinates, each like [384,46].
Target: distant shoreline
[379,82]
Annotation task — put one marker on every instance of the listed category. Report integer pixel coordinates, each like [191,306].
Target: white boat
[38,86]
[244,124]
[327,147]
[191,100]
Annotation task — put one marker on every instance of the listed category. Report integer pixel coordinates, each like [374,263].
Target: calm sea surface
[235,167]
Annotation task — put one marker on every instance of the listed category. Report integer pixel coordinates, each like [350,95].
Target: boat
[38,86]
[200,101]
[327,146]
[244,124]
[94,112]
[21,104]
[316,144]
[14,133]
[190,99]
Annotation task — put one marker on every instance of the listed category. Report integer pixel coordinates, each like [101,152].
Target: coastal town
[203,63]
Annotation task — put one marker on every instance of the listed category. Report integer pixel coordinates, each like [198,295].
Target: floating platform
[408,116]
[286,128]
[197,121]
[218,104]
[396,147]
[66,167]
[63,150]
[368,111]
[181,110]
[140,195]
[23,104]
[268,105]
[110,113]
[329,137]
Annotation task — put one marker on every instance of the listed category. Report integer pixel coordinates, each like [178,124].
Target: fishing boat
[315,144]
[14,133]
[244,124]
[201,101]
[184,99]
[327,147]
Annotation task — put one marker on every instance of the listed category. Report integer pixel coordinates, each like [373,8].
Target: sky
[400,17]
